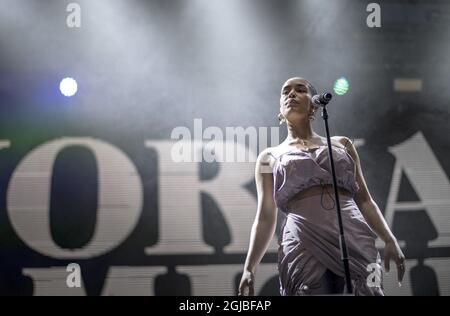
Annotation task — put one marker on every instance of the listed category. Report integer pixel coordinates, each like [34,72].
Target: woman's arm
[373,215]
[264,224]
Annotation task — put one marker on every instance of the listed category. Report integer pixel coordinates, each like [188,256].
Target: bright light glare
[68,87]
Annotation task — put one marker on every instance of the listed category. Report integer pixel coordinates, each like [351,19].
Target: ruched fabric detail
[299,169]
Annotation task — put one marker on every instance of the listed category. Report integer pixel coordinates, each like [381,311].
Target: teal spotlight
[341,86]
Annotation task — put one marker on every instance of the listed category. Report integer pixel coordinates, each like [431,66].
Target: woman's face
[295,99]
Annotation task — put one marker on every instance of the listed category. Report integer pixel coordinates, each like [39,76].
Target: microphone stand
[342,243]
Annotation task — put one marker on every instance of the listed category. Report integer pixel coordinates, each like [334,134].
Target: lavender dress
[309,240]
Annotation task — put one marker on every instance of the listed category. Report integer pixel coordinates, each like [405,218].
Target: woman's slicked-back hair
[311,88]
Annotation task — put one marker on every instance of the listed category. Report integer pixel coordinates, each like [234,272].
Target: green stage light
[341,86]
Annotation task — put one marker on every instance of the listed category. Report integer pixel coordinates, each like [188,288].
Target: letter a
[374,18]
[74,18]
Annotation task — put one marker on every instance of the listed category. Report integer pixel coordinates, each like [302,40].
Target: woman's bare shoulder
[341,141]
[269,155]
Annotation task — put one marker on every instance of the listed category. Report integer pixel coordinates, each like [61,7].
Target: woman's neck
[300,132]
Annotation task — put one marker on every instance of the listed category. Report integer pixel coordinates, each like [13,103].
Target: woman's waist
[318,190]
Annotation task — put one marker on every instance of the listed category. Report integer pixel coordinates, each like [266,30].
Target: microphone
[322,99]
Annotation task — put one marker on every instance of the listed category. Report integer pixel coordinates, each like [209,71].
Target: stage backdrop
[115,184]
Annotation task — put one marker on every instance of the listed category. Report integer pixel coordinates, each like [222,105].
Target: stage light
[68,87]
[341,86]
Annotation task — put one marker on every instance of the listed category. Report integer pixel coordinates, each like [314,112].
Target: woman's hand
[392,251]
[246,287]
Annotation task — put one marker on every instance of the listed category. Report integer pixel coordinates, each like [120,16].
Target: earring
[312,117]
[281,118]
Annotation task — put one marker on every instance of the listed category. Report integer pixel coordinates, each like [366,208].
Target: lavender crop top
[299,169]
